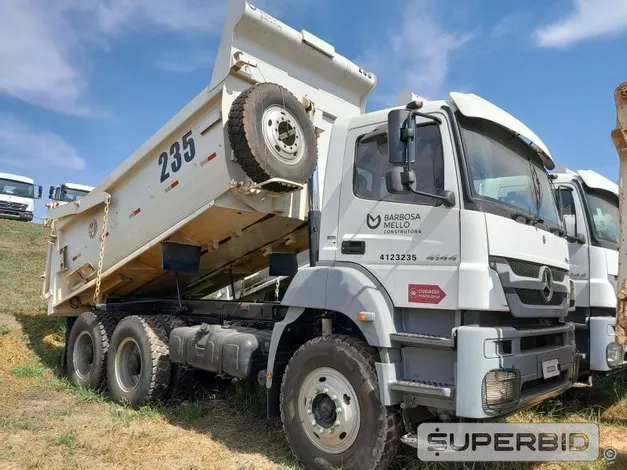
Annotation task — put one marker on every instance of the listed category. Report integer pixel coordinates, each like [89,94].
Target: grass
[26,371]
[46,422]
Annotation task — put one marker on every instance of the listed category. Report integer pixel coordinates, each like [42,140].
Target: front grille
[534,297]
[12,206]
[527,269]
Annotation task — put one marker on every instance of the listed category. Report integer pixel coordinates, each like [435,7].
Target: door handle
[353,247]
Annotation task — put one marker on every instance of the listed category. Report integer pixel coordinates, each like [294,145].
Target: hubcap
[128,365]
[329,410]
[283,135]
[83,354]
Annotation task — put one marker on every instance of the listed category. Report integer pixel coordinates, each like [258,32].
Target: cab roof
[78,187]
[590,178]
[21,179]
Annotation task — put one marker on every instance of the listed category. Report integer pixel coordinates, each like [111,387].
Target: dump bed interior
[208,201]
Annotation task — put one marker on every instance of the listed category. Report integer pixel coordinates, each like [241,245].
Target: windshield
[604,212]
[70,195]
[17,188]
[506,171]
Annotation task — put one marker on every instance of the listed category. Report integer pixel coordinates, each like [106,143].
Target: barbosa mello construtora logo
[395,224]
[507,442]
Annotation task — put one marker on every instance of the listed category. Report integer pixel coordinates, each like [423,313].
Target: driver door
[410,243]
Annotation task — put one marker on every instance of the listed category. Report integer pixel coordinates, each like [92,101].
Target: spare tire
[272,136]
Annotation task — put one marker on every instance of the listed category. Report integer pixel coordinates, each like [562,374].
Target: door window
[371,165]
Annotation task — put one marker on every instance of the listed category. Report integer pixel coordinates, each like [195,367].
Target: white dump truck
[68,192]
[17,197]
[437,287]
[589,206]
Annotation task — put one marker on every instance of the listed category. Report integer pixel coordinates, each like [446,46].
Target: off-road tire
[245,131]
[183,377]
[100,327]
[381,427]
[155,373]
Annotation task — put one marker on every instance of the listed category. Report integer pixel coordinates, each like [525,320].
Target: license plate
[550,368]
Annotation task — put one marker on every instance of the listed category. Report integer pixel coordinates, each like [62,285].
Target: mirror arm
[448,201]
[427,116]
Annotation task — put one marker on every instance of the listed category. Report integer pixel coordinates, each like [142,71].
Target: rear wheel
[330,407]
[87,349]
[139,368]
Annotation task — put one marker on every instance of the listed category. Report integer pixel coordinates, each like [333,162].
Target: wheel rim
[283,135]
[329,410]
[83,354]
[128,365]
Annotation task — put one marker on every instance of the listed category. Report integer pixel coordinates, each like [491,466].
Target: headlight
[500,389]
[614,354]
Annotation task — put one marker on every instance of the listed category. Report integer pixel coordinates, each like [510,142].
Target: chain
[103,241]
[276,289]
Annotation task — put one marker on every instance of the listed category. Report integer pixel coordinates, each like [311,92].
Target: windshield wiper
[519,215]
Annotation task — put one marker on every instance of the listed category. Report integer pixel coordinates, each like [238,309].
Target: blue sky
[83,83]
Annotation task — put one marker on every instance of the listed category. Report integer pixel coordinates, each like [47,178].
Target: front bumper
[602,334]
[16,215]
[484,349]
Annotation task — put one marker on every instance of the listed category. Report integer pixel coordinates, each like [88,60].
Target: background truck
[433,289]
[17,197]
[589,206]
[68,192]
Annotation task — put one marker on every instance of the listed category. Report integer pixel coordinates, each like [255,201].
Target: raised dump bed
[228,174]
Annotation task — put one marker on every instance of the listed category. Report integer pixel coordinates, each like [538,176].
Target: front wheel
[330,407]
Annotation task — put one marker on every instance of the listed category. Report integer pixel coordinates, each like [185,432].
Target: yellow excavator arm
[619,137]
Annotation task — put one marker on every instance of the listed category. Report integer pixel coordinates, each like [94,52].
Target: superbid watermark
[487,442]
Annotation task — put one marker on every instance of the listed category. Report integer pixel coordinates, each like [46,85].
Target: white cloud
[199,59]
[589,19]
[24,146]
[35,58]
[414,55]
[44,44]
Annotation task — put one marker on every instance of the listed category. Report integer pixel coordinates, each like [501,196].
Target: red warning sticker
[425,293]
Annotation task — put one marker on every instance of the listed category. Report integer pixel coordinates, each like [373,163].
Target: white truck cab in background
[68,192]
[589,206]
[17,197]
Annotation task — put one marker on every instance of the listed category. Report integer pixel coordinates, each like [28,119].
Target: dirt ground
[47,423]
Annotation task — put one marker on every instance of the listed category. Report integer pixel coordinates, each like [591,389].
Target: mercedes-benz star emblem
[546,276]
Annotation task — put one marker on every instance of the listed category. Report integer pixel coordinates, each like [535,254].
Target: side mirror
[40,189]
[397,136]
[51,192]
[570,224]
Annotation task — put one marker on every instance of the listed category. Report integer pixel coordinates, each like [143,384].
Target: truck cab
[17,197]
[589,206]
[68,192]
[463,277]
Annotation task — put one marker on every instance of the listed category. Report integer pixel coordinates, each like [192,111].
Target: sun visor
[474,106]
[596,181]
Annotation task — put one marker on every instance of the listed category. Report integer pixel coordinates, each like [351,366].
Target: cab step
[421,339]
[418,387]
